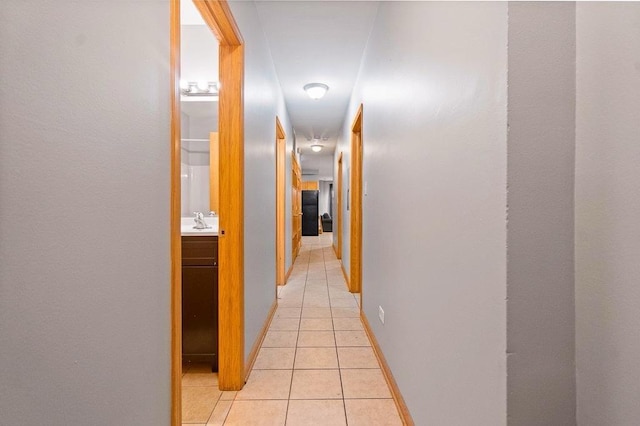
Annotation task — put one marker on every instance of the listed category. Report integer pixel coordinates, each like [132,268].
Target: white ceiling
[317,41]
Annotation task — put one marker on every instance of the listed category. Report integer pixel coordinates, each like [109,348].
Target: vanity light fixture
[316,147]
[316,90]
[199,88]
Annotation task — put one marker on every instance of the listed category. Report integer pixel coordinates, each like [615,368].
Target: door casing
[355,280]
[280,202]
[218,16]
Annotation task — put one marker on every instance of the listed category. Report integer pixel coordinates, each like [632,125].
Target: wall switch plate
[365,188]
[381,314]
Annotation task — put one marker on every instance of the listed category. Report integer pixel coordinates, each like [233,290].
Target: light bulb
[203,86]
[316,90]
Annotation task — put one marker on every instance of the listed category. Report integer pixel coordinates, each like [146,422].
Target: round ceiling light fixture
[316,147]
[316,90]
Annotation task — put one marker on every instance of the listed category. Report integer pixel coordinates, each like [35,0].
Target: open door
[217,15]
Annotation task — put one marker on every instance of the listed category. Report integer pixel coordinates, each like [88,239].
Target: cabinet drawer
[200,251]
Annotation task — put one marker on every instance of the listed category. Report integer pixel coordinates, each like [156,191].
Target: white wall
[434,86]
[84,212]
[263,101]
[324,196]
[540,279]
[198,53]
[607,214]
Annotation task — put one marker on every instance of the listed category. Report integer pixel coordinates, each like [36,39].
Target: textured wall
[84,212]
[434,87]
[607,213]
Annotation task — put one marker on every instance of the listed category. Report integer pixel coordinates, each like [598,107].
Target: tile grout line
[295,349]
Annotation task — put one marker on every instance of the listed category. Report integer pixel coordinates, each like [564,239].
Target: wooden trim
[403,410]
[258,343]
[231,219]
[218,16]
[286,277]
[214,172]
[339,208]
[310,185]
[175,211]
[296,208]
[355,247]
[280,202]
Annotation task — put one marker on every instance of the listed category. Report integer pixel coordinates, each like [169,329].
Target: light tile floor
[315,367]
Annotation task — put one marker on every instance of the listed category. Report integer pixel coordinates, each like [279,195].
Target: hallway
[315,367]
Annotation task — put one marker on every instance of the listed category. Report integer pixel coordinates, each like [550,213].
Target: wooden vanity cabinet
[200,300]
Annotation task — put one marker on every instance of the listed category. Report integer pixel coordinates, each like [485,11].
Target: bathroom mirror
[199,113]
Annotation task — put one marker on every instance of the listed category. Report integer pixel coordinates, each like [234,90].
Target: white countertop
[187,227]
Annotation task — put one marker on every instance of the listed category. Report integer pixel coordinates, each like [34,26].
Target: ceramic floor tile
[280,339]
[344,303]
[345,312]
[347,324]
[316,384]
[228,395]
[290,303]
[316,324]
[316,358]
[200,379]
[266,384]
[364,383]
[275,359]
[288,312]
[362,357]
[316,313]
[220,413]
[257,413]
[316,339]
[352,338]
[316,303]
[372,412]
[198,403]
[316,413]
[284,324]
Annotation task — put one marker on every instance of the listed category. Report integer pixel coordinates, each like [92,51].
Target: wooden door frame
[295,166]
[281,148]
[218,16]
[338,249]
[355,247]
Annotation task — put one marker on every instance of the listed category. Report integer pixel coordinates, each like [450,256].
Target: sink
[187,226]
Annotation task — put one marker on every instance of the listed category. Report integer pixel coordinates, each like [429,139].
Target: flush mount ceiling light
[316,90]
[316,147]
[199,88]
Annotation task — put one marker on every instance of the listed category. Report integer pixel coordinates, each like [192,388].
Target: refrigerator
[310,213]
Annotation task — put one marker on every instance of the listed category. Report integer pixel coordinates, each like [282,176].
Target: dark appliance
[310,213]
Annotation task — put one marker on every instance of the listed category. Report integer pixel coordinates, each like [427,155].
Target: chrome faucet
[199,220]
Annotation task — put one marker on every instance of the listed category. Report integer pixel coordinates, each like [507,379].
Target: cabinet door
[200,314]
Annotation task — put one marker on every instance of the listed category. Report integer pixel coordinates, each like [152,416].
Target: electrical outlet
[381,314]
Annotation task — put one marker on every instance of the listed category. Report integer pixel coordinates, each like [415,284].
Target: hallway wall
[607,213]
[263,100]
[441,161]
[84,212]
[540,165]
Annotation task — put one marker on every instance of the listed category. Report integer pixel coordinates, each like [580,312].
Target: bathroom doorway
[219,19]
